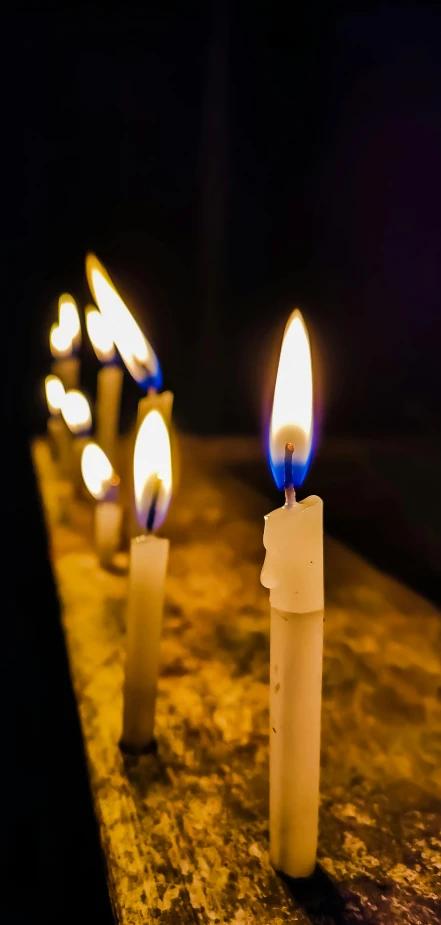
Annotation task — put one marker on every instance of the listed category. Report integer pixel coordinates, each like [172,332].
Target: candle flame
[139,357]
[54,389]
[152,471]
[98,473]
[292,414]
[68,318]
[99,335]
[60,340]
[76,412]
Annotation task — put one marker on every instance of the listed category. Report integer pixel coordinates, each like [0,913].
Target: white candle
[76,412]
[102,482]
[148,566]
[109,382]
[293,571]
[58,432]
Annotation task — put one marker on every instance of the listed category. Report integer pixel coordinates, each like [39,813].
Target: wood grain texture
[185,833]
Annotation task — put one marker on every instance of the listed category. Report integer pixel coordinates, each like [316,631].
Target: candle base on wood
[130,751]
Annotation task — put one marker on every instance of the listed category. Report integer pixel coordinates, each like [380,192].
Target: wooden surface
[185,833]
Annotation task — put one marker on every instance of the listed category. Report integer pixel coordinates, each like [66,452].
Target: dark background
[225,165]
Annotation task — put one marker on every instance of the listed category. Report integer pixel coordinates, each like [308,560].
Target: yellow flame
[98,474]
[127,335]
[60,340]
[68,317]
[99,334]
[152,469]
[54,393]
[76,411]
[292,415]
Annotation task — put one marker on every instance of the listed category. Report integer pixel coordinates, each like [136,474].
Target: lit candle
[148,566]
[293,571]
[76,412]
[109,382]
[102,482]
[137,353]
[64,340]
[57,431]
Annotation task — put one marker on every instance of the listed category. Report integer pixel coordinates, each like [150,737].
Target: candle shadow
[322,901]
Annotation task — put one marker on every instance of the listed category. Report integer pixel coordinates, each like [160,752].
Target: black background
[226,165]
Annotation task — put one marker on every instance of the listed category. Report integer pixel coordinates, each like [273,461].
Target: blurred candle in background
[58,433]
[64,340]
[293,571]
[102,482]
[77,415]
[109,382]
[148,565]
[137,353]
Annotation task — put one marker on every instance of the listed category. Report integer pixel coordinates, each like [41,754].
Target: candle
[109,382]
[64,339]
[136,352]
[102,482]
[76,412]
[57,431]
[148,566]
[293,571]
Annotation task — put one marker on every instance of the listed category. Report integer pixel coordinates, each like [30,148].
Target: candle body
[295,710]
[293,571]
[148,565]
[108,517]
[60,440]
[68,370]
[109,388]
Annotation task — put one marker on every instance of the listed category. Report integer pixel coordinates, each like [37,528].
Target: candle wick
[152,509]
[290,493]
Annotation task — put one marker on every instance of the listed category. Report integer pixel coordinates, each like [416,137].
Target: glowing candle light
[64,339]
[76,412]
[109,381]
[293,571]
[102,482]
[148,566]
[57,431]
[136,351]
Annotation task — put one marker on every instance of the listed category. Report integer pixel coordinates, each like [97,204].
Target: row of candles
[293,539]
